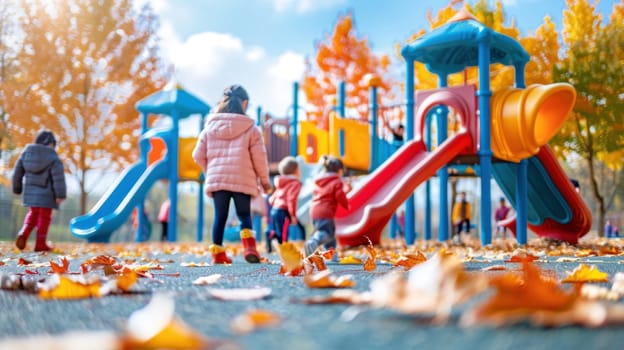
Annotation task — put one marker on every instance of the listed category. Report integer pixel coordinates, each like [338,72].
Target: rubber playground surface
[29,321]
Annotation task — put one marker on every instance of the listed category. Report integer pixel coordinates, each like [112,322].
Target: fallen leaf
[23,262]
[126,280]
[64,287]
[494,268]
[62,268]
[520,256]
[240,294]
[434,286]
[254,319]
[584,273]
[324,279]
[340,296]
[206,280]
[315,260]
[291,258]
[350,260]
[194,264]
[370,264]
[409,260]
[156,327]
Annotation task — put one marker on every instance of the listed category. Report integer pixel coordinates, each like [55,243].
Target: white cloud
[289,66]
[255,53]
[305,6]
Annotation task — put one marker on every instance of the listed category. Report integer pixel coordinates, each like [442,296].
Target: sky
[263,44]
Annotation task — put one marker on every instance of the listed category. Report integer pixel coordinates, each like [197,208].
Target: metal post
[485,153]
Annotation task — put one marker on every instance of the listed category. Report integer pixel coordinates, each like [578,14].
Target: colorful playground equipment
[163,156]
[507,131]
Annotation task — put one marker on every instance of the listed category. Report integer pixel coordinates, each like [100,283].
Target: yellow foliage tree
[84,65]
[343,57]
[592,62]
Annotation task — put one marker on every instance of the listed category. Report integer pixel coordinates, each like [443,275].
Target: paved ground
[304,326]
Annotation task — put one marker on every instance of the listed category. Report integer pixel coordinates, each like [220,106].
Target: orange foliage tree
[344,56]
[592,62]
[84,65]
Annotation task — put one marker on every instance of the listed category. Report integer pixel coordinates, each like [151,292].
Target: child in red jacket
[284,200]
[329,192]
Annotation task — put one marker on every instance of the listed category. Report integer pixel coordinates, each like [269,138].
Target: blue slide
[115,206]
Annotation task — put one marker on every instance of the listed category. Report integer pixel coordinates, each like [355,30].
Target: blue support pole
[410,220]
[259,116]
[256,220]
[294,126]
[485,152]
[442,122]
[341,114]
[522,202]
[428,183]
[522,195]
[172,232]
[200,201]
[374,145]
[140,208]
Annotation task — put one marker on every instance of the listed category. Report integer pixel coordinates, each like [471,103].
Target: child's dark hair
[332,164]
[288,165]
[232,100]
[45,138]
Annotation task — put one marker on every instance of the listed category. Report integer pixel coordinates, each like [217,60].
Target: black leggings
[242,202]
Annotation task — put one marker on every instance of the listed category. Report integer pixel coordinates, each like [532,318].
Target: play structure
[163,156]
[504,132]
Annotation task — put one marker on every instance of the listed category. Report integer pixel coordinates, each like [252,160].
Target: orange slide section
[373,204]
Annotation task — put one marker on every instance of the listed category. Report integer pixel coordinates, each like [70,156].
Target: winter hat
[45,138]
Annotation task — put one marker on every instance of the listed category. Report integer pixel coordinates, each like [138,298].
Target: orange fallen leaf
[317,261]
[126,280]
[62,268]
[253,319]
[494,268]
[157,327]
[584,273]
[63,287]
[23,262]
[370,264]
[324,279]
[409,260]
[521,256]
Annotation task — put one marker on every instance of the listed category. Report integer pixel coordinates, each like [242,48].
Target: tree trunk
[597,195]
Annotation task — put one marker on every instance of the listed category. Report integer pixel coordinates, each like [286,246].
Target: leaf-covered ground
[403,301]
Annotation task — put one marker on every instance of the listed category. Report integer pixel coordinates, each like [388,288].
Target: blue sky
[262,44]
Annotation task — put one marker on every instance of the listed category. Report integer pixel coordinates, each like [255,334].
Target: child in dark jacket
[329,192]
[284,200]
[40,175]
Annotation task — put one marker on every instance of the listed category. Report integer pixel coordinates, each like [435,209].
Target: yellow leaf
[126,280]
[62,287]
[291,258]
[350,260]
[584,273]
[324,279]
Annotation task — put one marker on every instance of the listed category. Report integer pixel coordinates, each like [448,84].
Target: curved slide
[115,206]
[372,205]
[555,209]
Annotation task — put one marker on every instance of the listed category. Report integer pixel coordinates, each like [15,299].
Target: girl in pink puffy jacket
[230,151]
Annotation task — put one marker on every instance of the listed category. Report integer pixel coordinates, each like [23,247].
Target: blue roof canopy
[454,46]
[167,100]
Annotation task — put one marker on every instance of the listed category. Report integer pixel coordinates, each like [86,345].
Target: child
[40,174]
[284,200]
[329,192]
[500,215]
[163,217]
[462,212]
[230,151]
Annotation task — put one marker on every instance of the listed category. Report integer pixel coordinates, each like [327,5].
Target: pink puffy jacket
[230,150]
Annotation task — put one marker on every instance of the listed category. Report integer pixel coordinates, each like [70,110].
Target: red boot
[249,246]
[41,245]
[22,237]
[43,224]
[218,254]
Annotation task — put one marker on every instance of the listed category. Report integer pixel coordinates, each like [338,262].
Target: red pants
[39,218]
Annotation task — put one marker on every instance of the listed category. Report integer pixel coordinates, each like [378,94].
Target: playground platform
[303,326]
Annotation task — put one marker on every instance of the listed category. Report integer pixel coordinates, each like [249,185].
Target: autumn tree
[343,56]
[592,62]
[85,64]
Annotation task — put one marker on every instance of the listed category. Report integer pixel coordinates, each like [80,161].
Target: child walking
[163,218]
[230,150]
[40,175]
[284,200]
[329,192]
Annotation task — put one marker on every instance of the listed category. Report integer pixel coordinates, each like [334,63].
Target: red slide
[372,205]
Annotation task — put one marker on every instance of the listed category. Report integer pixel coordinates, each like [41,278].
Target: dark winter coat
[39,173]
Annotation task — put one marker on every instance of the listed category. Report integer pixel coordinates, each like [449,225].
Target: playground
[502,135]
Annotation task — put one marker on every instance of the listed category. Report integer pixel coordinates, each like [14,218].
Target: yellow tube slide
[523,120]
